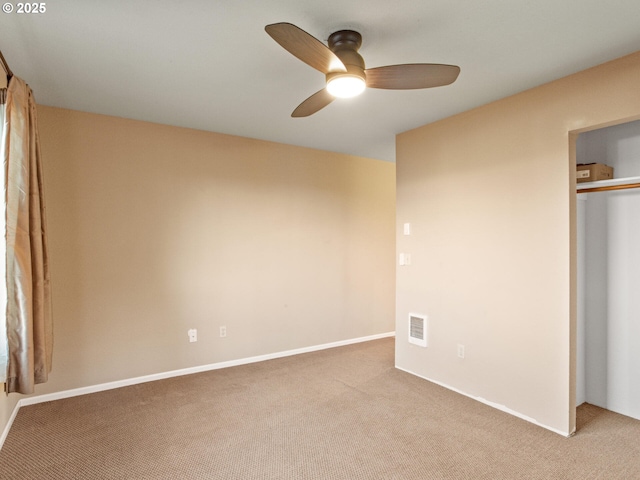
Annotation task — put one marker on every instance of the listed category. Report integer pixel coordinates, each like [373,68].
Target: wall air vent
[418,329]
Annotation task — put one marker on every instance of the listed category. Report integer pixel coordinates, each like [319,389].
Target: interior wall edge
[9,423]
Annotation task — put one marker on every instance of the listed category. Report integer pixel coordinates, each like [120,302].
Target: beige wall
[154,230]
[489,194]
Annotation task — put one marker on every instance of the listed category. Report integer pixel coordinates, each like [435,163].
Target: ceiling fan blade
[314,103]
[411,75]
[306,47]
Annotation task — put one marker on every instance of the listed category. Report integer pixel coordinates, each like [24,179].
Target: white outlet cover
[193,335]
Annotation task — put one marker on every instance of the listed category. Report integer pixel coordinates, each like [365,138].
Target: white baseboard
[176,373]
[491,404]
[7,427]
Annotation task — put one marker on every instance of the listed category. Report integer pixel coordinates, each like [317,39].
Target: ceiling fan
[344,68]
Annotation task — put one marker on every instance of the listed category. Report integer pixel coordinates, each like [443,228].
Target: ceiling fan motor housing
[345,44]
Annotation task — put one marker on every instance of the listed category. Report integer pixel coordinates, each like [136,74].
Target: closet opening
[607,362]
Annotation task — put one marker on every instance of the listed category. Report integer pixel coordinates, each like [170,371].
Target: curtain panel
[3,287]
[28,312]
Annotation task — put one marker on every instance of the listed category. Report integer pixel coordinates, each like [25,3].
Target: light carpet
[343,413]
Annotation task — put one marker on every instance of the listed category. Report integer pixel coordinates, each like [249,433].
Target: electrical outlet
[404,259]
[460,351]
[223,332]
[193,335]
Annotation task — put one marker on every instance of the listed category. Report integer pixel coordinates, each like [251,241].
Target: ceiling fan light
[345,86]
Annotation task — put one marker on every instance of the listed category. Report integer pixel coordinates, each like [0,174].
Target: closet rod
[610,187]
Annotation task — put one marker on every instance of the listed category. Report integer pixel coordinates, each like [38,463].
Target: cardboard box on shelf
[591,172]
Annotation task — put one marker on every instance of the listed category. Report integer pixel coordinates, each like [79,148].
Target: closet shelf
[613,184]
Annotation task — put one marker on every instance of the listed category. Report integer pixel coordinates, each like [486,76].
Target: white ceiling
[210,65]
